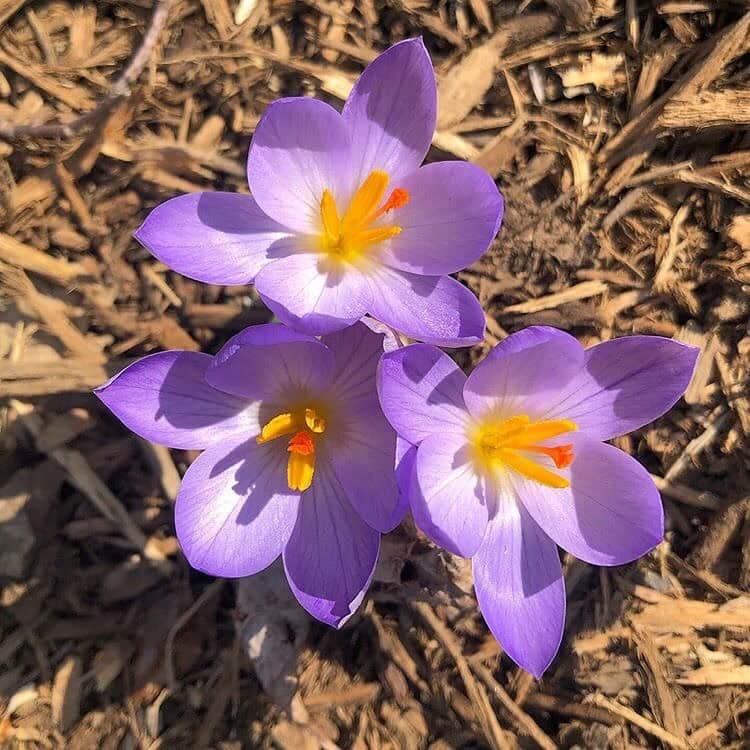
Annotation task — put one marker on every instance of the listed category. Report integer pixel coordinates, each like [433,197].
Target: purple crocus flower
[298,459]
[343,221]
[512,461]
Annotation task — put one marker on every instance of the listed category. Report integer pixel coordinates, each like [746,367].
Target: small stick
[476,693]
[525,723]
[584,711]
[584,290]
[84,478]
[686,495]
[121,88]
[161,461]
[647,726]
[181,621]
[696,446]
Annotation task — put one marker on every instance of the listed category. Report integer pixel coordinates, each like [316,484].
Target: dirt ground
[618,131]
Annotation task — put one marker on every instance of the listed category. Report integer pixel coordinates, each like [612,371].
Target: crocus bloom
[512,461]
[298,458]
[342,220]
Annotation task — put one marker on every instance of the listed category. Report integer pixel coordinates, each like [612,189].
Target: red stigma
[397,199]
[301,443]
[562,455]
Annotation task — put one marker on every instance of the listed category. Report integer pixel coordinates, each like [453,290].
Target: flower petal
[449,500]
[264,361]
[217,238]
[520,588]
[434,309]
[165,398]
[362,445]
[331,555]
[626,383]
[420,390]
[453,214]
[406,465]
[300,148]
[312,293]
[391,111]
[363,461]
[524,373]
[234,511]
[610,515]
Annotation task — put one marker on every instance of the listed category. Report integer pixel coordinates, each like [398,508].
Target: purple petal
[391,111]
[626,383]
[269,362]
[362,444]
[362,458]
[448,500]
[165,398]
[610,515]
[312,293]
[300,148]
[217,238]
[406,465]
[524,373]
[356,352]
[331,555]
[520,588]
[434,309]
[420,390]
[453,214]
[234,511]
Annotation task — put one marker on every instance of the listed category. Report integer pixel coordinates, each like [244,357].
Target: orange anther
[302,443]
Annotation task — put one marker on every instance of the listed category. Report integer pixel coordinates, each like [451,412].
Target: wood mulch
[618,132]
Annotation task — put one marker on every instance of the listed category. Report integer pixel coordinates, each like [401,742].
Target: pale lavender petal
[610,515]
[313,294]
[391,111]
[165,398]
[449,500]
[234,511]
[217,238]
[625,384]
[269,362]
[420,391]
[519,587]
[524,373]
[434,309]
[300,148]
[390,340]
[331,555]
[453,214]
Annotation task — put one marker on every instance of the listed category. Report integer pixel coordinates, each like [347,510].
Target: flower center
[305,426]
[507,443]
[348,236]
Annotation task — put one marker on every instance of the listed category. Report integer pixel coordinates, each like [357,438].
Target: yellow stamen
[532,470]
[300,471]
[283,424]
[314,421]
[542,431]
[503,443]
[305,425]
[329,216]
[347,237]
[366,199]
